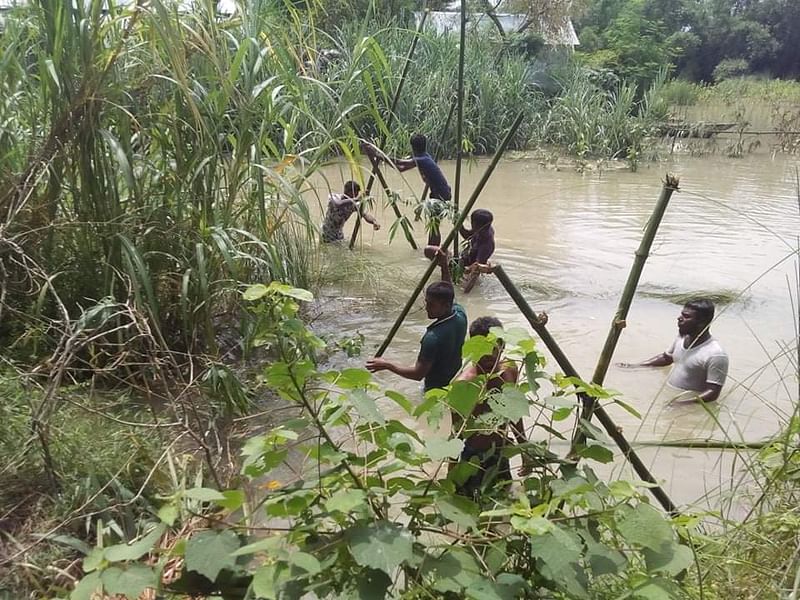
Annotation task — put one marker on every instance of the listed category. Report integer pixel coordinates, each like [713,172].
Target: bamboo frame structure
[608,423]
[389,118]
[451,236]
[618,322]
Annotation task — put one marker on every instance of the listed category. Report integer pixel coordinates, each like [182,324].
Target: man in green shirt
[439,358]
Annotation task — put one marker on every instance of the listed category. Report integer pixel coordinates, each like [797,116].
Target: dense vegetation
[154,165]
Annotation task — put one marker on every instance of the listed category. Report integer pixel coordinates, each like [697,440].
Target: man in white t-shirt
[699,363]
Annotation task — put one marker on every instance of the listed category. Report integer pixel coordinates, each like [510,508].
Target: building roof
[443,21]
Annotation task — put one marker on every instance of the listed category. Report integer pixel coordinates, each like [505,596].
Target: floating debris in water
[679,297]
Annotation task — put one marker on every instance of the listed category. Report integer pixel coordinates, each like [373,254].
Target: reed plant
[591,122]
[163,156]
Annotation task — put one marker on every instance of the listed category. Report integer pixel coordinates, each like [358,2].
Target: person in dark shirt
[480,247]
[431,175]
[439,358]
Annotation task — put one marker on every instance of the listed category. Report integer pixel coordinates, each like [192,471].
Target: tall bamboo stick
[608,424]
[625,301]
[460,117]
[389,118]
[449,239]
[403,223]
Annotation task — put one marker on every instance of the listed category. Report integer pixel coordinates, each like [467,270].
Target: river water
[567,239]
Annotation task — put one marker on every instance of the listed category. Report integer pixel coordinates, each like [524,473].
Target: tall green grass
[160,157]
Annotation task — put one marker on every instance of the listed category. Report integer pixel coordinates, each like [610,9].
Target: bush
[680,92]
[730,68]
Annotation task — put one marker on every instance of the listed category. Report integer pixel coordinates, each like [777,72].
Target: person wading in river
[340,207]
[439,358]
[431,175]
[700,365]
[484,447]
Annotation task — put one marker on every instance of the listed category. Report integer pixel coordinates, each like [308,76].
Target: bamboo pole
[460,116]
[389,118]
[707,444]
[449,239]
[608,424]
[403,223]
[618,322]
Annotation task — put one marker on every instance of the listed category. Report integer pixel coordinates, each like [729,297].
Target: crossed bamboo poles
[589,406]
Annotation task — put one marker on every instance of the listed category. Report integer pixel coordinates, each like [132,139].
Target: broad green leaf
[255,292]
[459,510]
[439,448]
[268,545]
[291,292]
[400,400]
[596,452]
[94,559]
[346,501]
[87,587]
[484,589]
[204,494]
[137,549]
[372,584]
[511,403]
[560,552]
[305,561]
[592,431]
[168,513]
[453,571]
[532,525]
[208,552]
[383,545]
[645,526]
[657,589]
[353,378]
[269,579]
[129,582]
[232,499]
[602,559]
[671,560]
[561,414]
[476,347]
[366,407]
[463,396]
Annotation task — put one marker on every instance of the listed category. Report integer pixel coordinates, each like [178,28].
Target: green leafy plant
[376,512]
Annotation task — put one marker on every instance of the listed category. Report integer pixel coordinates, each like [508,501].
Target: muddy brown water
[568,239]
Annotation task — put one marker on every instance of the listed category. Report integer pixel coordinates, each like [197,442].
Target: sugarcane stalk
[449,239]
[460,117]
[389,118]
[608,424]
[618,322]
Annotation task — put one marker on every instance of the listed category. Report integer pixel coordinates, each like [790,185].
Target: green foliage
[692,36]
[377,513]
[730,68]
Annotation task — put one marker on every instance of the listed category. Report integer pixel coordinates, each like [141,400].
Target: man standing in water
[439,358]
[431,174]
[700,363]
[340,207]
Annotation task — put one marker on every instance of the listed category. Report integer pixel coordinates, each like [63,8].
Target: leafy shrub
[730,68]
[680,92]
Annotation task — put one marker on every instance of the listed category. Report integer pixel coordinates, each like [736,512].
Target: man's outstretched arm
[417,372]
[660,360]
